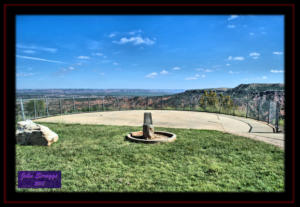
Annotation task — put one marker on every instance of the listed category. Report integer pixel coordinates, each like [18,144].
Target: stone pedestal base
[148,131]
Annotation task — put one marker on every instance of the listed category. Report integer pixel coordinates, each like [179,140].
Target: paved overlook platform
[179,119]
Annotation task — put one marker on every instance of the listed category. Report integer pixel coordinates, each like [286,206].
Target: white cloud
[232,17]
[33,47]
[29,51]
[52,50]
[164,72]
[264,77]
[151,75]
[64,71]
[24,74]
[235,58]
[113,34]
[115,63]
[277,53]
[231,26]
[135,40]
[204,70]
[135,32]
[38,59]
[176,68]
[254,55]
[239,58]
[227,64]
[83,57]
[195,77]
[276,71]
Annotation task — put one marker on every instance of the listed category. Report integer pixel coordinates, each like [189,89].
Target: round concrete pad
[178,119]
[164,137]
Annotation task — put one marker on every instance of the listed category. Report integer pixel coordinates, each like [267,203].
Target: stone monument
[148,135]
[148,128]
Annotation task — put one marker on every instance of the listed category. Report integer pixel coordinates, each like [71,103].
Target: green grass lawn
[97,158]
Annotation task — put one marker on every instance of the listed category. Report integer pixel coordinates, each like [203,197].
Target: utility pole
[22,109]
[60,106]
[98,104]
[147,102]
[233,107]
[47,110]
[277,117]
[258,111]
[103,103]
[74,108]
[34,103]
[247,105]
[269,112]
[220,105]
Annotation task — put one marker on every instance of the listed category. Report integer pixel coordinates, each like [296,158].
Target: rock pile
[30,133]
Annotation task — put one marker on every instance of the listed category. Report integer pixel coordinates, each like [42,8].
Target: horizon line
[139,88]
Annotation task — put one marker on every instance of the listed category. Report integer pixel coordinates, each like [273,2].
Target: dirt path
[179,119]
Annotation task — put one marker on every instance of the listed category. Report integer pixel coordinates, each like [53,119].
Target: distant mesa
[241,89]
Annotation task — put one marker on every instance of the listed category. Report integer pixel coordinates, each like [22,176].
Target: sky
[148,51]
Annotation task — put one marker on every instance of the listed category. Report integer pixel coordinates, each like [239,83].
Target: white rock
[30,133]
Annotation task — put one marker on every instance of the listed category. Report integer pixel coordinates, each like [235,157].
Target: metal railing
[269,109]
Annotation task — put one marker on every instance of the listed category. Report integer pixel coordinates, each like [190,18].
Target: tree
[209,99]
[227,102]
[212,99]
[202,101]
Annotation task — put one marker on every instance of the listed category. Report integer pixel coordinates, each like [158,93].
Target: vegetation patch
[97,158]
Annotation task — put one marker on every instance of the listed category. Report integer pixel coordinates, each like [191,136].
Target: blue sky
[148,51]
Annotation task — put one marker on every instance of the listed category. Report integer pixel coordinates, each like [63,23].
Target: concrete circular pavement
[178,119]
